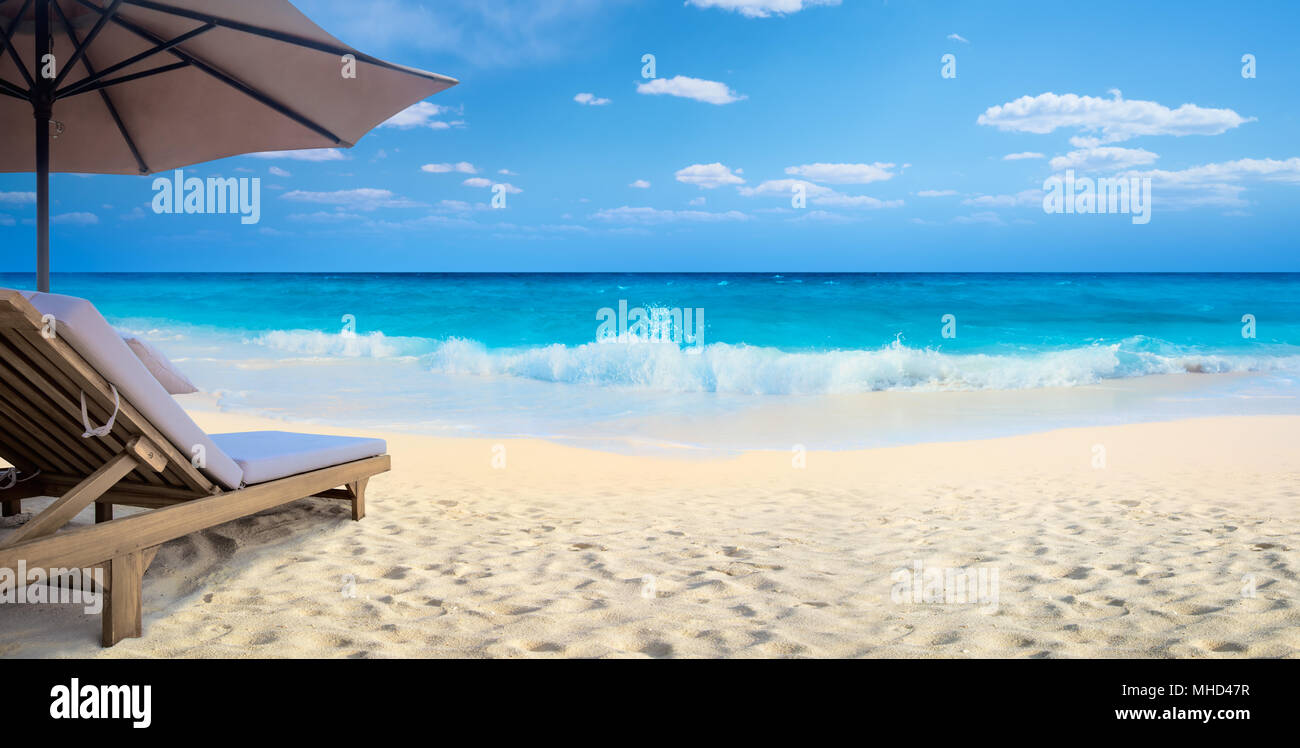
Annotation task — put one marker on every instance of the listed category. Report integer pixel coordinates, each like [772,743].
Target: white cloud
[1269,169]
[817,194]
[587,99]
[785,187]
[278,172]
[326,217]
[423,114]
[1022,156]
[708,176]
[6,220]
[463,167]
[761,8]
[1022,198]
[485,182]
[710,92]
[936,193]
[823,216]
[843,173]
[507,172]
[640,184]
[1103,158]
[543,231]
[837,200]
[1115,118]
[696,201]
[1217,185]
[364,198]
[17,198]
[75,219]
[648,216]
[310,154]
[986,216]
[959,38]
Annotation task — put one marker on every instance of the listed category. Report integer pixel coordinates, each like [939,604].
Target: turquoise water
[519,353]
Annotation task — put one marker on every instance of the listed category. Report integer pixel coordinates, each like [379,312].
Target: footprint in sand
[1193,609]
[657,649]
[1220,646]
[1269,547]
[507,609]
[543,647]
[742,569]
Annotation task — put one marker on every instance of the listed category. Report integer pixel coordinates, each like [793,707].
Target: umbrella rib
[105,16]
[12,90]
[72,89]
[9,45]
[243,88]
[280,36]
[101,85]
[108,101]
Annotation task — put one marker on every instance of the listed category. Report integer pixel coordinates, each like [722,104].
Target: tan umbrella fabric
[142,86]
[219,101]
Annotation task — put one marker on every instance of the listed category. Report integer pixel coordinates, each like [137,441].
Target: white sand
[573,553]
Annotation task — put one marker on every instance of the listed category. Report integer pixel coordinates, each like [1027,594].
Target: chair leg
[103,513]
[358,491]
[124,603]
[11,507]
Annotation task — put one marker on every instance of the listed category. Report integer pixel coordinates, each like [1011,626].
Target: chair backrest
[55,348]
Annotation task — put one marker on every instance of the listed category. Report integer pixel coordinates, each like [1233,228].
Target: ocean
[854,359]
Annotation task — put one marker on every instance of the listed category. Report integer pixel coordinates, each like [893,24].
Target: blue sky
[903,169]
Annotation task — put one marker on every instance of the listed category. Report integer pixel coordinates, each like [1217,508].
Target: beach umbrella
[138,87]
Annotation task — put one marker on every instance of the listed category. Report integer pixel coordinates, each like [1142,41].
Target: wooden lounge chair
[150,455]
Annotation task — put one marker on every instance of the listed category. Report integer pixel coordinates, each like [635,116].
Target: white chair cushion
[268,455]
[162,369]
[82,326]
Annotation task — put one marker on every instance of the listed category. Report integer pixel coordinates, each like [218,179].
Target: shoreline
[553,553]
[710,425]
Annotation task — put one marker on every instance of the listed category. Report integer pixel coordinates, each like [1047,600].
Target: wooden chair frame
[41,382]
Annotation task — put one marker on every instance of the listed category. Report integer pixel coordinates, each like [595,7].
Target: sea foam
[745,369]
[318,343]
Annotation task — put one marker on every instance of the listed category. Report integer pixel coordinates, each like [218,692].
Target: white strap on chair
[85,418]
[9,478]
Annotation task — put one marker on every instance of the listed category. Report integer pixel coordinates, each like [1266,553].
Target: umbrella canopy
[137,86]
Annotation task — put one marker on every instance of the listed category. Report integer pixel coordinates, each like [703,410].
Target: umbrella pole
[42,109]
[43,203]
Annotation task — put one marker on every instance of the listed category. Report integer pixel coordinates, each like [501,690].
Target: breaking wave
[745,369]
[317,343]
